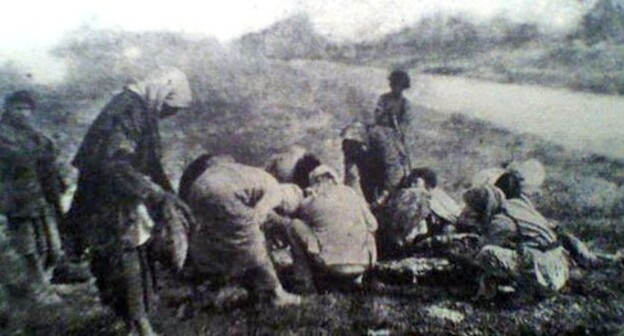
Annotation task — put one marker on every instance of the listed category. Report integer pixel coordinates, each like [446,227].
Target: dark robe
[119,163]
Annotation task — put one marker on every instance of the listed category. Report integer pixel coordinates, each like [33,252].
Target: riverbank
[597,68]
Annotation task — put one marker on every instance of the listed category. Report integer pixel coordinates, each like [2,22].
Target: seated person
[335,236]
[232,202]
[418,209]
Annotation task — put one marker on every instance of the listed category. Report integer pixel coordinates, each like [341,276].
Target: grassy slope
[253,109]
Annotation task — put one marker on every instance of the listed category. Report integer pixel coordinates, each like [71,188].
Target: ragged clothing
[520,244]
[30,178]
[341,227]
[231,202]
[123,190]
[394,112]
[389,157]
[30,191]
[119,168]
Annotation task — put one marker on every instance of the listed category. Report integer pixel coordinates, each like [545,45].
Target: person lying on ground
[518,246]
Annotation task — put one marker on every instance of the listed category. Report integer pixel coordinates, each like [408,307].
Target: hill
[253,107]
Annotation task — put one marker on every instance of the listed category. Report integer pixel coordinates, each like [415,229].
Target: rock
[445,314]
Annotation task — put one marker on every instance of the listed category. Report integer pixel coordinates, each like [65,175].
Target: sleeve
[271,198]
[369,218]
[49,171]
[119,154]
[379,110]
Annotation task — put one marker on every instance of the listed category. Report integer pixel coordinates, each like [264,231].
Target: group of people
[228,219]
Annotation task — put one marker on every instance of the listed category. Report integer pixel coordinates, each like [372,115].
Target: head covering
[485,200]
[399,77]
[292,196]
[355,131]
[21,96]
[323,170]
[531,171]
[164,86]
[282,165]
[487,176]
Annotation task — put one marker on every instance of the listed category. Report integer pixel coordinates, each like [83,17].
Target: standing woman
[123,191]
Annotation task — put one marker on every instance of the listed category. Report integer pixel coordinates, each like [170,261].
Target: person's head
[323,175]
[425,174]
[19,106]
[293,165]
[511,183]
[399,80]
[484,201]
[354,140]
[291,198]
[166,91]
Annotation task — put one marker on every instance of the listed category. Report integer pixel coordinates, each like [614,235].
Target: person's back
[343,225]
[231,202]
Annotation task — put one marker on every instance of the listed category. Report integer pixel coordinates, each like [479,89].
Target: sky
[29,28]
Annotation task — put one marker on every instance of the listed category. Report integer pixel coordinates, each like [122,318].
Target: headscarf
[168,85]
[531,171]
[323,170]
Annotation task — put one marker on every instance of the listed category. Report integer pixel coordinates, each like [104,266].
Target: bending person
[124,197]
[232,203]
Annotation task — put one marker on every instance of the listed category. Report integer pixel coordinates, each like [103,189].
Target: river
[577,120]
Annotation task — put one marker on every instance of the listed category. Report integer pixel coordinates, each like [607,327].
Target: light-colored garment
[342,226]
[487,176]
[547,271]
[407,213]
[535,229]
[168,85]
[519,243]
[282,165]
[226,200]
[443,206]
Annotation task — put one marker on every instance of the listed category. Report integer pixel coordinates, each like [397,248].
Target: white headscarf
[168,85]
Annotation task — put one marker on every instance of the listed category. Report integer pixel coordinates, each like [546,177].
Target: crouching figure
[334,238]
[232,202]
